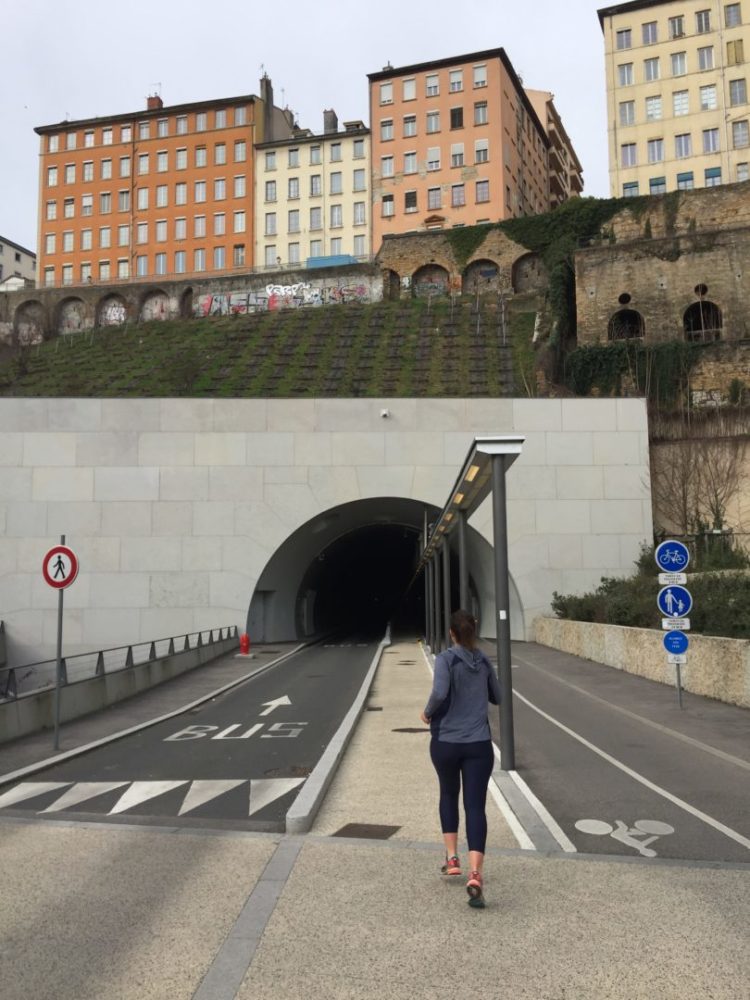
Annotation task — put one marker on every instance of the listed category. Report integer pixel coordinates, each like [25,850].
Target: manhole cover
[372,708]
[295,771]
[410,729]
[367,831]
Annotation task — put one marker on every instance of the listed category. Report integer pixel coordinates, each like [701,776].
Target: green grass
[404,348]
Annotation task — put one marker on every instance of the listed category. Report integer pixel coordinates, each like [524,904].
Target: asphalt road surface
[237,760]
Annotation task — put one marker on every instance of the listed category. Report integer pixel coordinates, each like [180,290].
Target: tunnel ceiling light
[458,499]
[449,516]
[471,474]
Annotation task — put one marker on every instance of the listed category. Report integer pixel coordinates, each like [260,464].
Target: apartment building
[565,170]
[167,191]
[312,201]
[17,265]
[677,106]
[454,142]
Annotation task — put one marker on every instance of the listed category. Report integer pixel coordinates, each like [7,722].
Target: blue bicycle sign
[675,602]
[672,556]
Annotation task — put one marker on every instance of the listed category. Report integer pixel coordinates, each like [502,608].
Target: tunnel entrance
[348,570]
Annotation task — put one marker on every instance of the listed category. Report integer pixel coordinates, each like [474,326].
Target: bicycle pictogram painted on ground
[642,833]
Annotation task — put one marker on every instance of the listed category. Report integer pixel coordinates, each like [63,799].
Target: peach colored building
[454,142]
[164,192]
[565,170]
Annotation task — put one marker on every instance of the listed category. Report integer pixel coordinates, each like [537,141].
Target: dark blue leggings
[470,763]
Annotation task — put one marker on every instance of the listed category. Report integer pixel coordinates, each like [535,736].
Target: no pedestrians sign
[60,567]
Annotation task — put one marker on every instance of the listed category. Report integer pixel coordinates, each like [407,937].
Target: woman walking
[461,747]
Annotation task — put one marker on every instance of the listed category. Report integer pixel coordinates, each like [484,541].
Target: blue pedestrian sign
[672,556]
[674,602]
[675,642]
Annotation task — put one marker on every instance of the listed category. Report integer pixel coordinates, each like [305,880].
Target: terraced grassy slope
[405,348]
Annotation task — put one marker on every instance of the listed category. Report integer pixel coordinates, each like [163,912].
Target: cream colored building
[312,196]
[677,94]
[17,265]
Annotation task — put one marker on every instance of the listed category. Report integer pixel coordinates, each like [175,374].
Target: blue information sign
[674,602]
[672,556]
[675,642]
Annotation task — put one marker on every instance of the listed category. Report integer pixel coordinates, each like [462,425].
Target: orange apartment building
[455,142]
[167,191]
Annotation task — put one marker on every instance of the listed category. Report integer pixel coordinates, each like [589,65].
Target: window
[386,129]
[141,265]
[70,140]
[104,270]
[124,166]
[683,146]
[386,93]
[180,194]
[706,57]
[88,171]
[456,80]
[180,229]
[238,222]
[86,273]
[624,38]
[337,216]
[201,156]
[292,253]
[710,140]
[336,182]
[126,135]
[335,152]
[238,255]
[49,276]
[685,181]
[434,199]
[732,15]
[680,103]
[107,137]
[160,263]
[105,237]
[359,213]
[239,115]
[433,121]
[70,173]
[315,156]
[240,151]
[359,149]
[481,150]
[387,206]
[483,191]
[737,92]
[410,90]
[457,154]
[316,185]
[162,128]
[270,190]
[200,191]
[67,274]
[51,176]
[410,163]
[220,189]
[293,220]
[708,98]
[220,222]
[480,113]
[162,196]
[220,119]
[713,176]
[69,208]
[142,164]
[679,64]
[740,135]
[239,187]
[141,232]
[480,76]
[316,218]
[270,160]
[201,121]
[625,74]
[87,204]
[359,246]
[105,202]
[743,171]
[53,143]
[161,231]
[181,124]
[735,52]
[49,243]
[651,69]
[123,201]
[653,108]
[655,150]
[432,85]
[199,225]
[650,33]
[628,154]
[657,185]
[386,166]
[458,195]
[316,248]
[676,27]
[359,180]
[51,213]
[410,201]
[433,158]
[410,126]
[220,154]
[181,159]
[144,130]
[123,236]
[162,161]
[627,112]
[106,170]
[703,21]
[199,259]
[67,241]
[457,117]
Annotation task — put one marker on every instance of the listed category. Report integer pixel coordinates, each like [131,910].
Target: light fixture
[458,499]
[449,516]
[471,474]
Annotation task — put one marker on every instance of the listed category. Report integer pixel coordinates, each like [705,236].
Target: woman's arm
[494,692]
[441,684]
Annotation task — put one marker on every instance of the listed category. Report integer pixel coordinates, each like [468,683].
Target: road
[238,760]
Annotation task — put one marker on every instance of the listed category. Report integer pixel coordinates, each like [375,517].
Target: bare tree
[674,485]
[720,476]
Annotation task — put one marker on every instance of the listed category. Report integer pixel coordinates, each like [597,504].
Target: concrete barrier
[34,711]
[717,667]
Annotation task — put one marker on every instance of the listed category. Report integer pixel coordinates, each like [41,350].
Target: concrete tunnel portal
[348,570]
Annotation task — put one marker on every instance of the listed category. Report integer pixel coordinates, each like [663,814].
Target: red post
[244,644]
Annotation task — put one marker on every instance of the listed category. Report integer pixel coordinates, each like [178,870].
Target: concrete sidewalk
[125,912]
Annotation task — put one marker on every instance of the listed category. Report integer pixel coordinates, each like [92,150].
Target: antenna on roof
[157,88]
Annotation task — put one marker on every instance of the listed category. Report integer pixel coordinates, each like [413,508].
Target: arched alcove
[529,274]
[71,316]
[111,311]
[626,324]
[702,321]
[482,277]
[186,304]
[430,281]
[154,306]
[29,323]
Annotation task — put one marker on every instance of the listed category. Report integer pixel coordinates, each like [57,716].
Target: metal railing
[41,675]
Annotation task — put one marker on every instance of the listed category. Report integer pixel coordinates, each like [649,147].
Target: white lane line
[524,840]
[704,817]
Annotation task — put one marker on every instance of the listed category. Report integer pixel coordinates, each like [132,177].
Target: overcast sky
[85,58]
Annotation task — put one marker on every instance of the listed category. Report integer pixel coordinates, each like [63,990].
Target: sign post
[674,601]
[59,569]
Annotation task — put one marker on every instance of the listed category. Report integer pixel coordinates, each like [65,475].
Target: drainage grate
[367,831]
[372,708]
[410,729]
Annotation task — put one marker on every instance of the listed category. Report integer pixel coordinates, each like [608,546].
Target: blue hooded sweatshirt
[464,682]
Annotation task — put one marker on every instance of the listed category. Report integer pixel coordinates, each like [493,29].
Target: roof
[142,113]
[624,8]
[305,136]
[17,246]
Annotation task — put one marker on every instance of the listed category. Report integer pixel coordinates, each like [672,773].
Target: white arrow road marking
[82,791]
[266,790]
[28,790]
[142,791]
[284,700]
[201,792]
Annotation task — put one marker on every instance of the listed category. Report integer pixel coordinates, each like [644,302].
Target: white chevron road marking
[263,791]
[201,792]
[142,791]
[28,790]
[82,791]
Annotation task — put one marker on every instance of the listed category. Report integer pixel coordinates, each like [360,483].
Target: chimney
[154,102]
[266,95]
[330,121]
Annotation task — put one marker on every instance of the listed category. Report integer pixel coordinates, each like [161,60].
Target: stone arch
[71,316]
[626,324]
[481,276]
[430,281]
[529,274]
[29,323]
[154,306]
[112,310]
[702,320]
[186,304]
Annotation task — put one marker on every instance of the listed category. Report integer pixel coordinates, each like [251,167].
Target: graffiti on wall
[112,313]
[30,323]
[430,281]
[155,307]
[72,316]
[299,295]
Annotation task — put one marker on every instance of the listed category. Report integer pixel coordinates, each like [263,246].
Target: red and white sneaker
[452,866]
[474,888]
